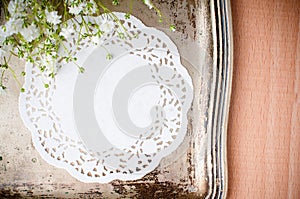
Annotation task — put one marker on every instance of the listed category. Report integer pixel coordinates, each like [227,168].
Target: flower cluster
[34,31]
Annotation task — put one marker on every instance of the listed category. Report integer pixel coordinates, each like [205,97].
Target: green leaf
[172,28]
[52,75]
[127,16]
[4,66]
[121,35]
[43,68]
[3,87]
[109,56]
[115,2]
[81,69]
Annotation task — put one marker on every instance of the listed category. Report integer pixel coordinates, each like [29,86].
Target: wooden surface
[264,124]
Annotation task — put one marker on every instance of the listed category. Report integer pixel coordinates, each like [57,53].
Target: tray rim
[223,59]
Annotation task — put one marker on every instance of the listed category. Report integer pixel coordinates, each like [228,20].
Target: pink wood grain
[264,124]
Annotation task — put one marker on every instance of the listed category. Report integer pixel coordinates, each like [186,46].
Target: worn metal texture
[23,173]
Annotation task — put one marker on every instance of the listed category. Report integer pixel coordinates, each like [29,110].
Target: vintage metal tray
[150,122]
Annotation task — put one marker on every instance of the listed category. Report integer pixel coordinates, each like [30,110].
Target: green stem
[1,79]
[105,49]
[12,71]
[85,24]
[130,6]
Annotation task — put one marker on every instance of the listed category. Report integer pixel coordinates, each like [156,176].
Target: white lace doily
[119,118]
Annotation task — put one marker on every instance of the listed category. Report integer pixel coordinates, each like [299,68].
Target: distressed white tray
[79,124]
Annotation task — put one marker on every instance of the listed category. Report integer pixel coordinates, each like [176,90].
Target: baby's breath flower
[13,26]
[76,9]
[53,17]
[51,30]
[30,33]
[107,26]
[3,34]
[16,8]
[90,8]
[36,33]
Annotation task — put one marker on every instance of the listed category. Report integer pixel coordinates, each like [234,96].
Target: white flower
[90,8]
[53,17]
[75,10]
[30,33]
[107,26]
[13,26]
[12,6]
[51,30]
[66,32]
[15,8]
[148,3]
[3,34]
